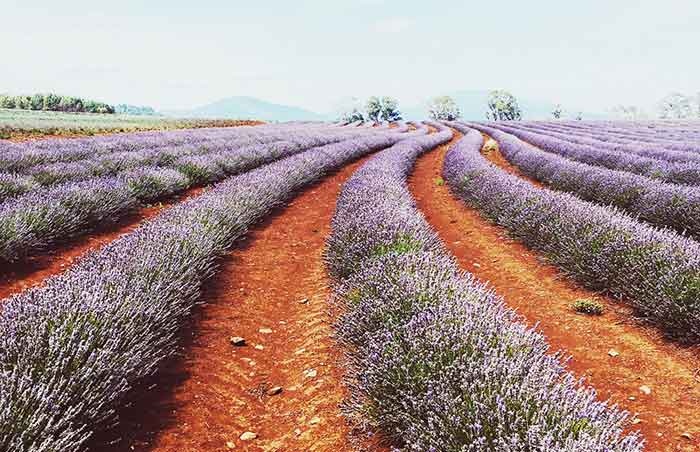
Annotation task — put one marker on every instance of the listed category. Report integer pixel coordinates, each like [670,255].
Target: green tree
[383,109]
[36,102]
[503,106]
[23,102]
[7,102]
[444,108]
[51,102]
[557,112]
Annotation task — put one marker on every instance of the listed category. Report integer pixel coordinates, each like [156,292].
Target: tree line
[54,102]
[504,106]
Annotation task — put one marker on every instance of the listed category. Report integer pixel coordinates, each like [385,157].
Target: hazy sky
[171,53]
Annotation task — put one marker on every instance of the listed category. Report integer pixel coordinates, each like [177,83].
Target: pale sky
[176,54]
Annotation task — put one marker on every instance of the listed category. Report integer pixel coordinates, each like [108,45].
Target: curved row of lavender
[437,362]
[601,139]
[19,156]
[47,175]
[687,173]
[670,131]
[664,205]
[39,220]
[71,349]
[38,176]
[657,271]
[678,134]
[685,144]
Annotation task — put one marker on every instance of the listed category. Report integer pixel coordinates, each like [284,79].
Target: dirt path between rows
[15,278]
[494,155]
[621,359]
[272,292]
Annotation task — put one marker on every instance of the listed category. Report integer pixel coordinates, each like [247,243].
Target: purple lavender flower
[437,363]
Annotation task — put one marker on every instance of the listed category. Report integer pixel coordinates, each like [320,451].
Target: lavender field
[456,258]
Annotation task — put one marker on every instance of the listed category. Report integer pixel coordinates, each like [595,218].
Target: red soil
[15,278]
[494,156]
[219,391]
[668,417]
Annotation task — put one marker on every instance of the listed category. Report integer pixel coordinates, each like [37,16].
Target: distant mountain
[243,107]
[473,104]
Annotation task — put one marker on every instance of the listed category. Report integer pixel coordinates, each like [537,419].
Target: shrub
[490,146]
[588,306]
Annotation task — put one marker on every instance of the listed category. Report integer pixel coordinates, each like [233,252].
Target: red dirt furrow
[15,278]
[494,156]
[271,290]
[616,355]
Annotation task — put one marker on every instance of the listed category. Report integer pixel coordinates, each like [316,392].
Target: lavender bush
[71,349]
[148,184]
[13,184]
[656,271]
[437,363]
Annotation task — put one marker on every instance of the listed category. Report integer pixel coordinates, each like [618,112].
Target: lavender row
[656,271]
[687,173]
[664,205]
[669,130]
[39,220]
[687,142]
[71,350]
[19,156]
[600,139]
[41,176]
[663,130]
[438,363]
[100,165]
